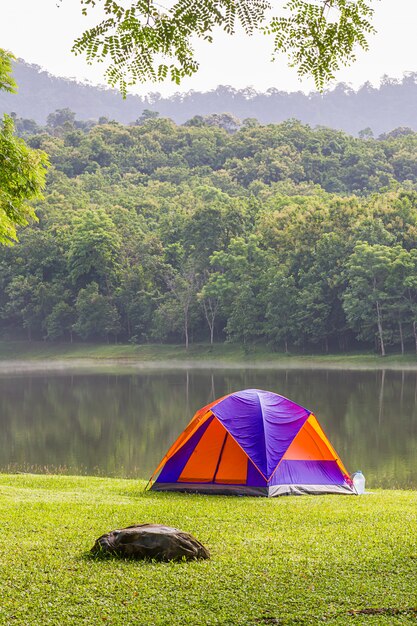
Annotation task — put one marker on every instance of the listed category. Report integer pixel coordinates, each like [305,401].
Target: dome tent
[255,443]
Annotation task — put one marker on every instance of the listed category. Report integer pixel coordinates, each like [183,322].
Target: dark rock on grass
[151,541]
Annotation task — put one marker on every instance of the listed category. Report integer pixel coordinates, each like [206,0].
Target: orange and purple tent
[253,442]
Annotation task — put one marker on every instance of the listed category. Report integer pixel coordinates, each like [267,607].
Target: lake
[120,423]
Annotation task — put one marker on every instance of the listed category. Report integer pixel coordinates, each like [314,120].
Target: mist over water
[121,424]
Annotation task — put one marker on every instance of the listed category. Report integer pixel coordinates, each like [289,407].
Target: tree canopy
[281,234]
[22,170]
[146,41]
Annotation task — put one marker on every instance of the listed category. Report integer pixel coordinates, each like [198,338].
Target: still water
[121,423]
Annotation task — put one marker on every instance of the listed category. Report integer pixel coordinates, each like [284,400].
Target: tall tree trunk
[210,315]
[400,326]
[415,333]
[380,333]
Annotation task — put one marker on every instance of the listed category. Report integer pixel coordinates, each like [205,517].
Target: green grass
[296,560]
[198,355]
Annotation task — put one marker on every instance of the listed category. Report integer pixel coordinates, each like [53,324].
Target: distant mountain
[392,105]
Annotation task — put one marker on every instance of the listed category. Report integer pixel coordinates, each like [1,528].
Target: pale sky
[42,32]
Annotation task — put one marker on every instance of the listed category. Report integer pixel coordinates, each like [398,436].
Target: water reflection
[122,424]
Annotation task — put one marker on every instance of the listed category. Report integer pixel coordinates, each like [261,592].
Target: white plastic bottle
[359,482]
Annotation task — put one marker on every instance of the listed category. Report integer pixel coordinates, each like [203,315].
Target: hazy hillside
[392,105]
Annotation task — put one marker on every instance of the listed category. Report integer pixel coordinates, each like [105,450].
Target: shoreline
[23,357]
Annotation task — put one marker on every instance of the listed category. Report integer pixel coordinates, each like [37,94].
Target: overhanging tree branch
[146,41]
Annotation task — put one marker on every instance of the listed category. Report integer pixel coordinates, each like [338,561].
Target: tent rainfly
[254,443]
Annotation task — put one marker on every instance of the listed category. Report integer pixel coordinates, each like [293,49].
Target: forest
[279,234]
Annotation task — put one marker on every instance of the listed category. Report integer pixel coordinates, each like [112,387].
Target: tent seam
[282,458]
[244,451]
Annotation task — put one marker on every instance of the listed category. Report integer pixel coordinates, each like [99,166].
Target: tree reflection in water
[121,424]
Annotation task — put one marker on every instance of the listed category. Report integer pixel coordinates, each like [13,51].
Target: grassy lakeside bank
[199,355]
[297,560]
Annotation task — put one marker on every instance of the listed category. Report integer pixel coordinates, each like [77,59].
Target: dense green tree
[22,170]
[410,290]
[238,280]
[141,283]
[209,298]
[94,249]
[147,115]
[97,316]
[6,80]
[61,118]
[176,309]
[281,299]
[28,301]
[367,300]
[227,121]
[245,321]
[60,322]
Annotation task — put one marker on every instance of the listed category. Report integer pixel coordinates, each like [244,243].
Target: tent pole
[220,456]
